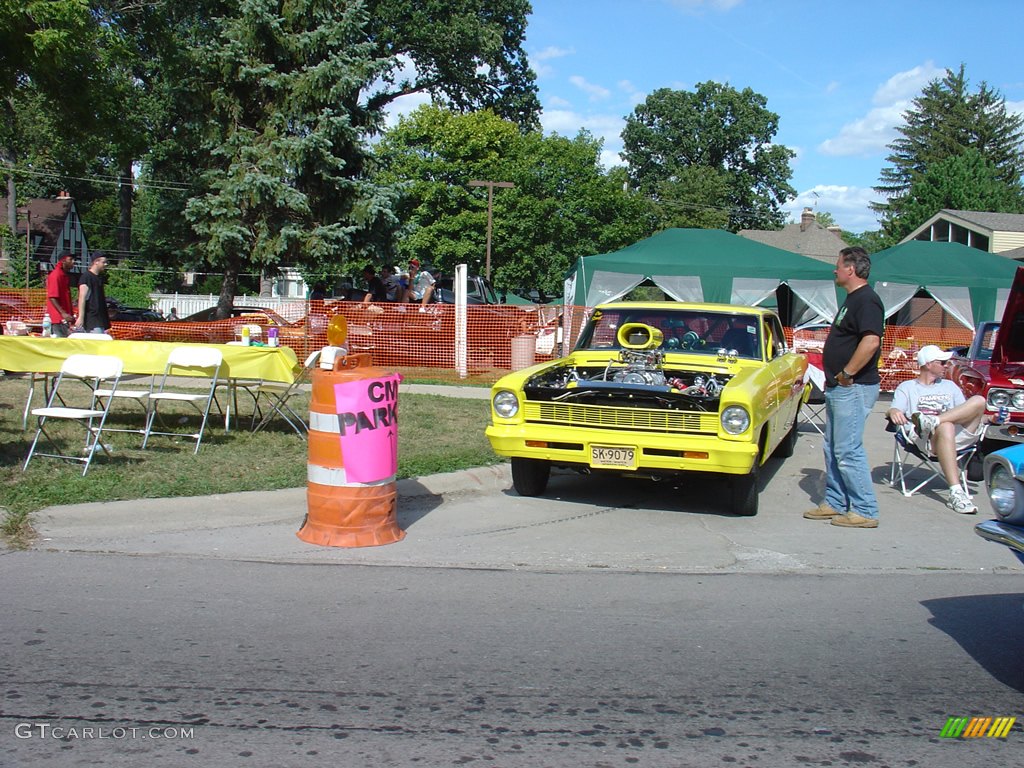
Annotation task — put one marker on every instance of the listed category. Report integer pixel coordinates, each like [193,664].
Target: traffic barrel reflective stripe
[353,414]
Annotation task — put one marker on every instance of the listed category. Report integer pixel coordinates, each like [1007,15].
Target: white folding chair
[188,361]
[277,396]
[908,459]
[92,370]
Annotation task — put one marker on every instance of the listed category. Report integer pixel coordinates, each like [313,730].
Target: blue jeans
[848,483]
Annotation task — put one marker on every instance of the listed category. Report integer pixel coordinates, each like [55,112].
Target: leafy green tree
[467,54]
[945,121]
[715,146]
[48,50]
[562,206]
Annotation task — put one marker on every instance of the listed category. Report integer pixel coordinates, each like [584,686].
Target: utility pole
[490,208]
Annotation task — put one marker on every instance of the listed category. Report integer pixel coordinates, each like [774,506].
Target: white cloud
[606,127]
[551,52]
[848,205]
[403,105]
[695,5]
[558,102]
[872,133]
[596,92]
[539,59]
[1015,107]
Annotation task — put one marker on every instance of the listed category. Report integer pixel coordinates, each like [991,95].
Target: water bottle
[272,337]
[47,325]
[245,335]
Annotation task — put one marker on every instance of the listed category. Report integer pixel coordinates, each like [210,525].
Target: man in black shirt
[850,359]
[375,290]
[92,300]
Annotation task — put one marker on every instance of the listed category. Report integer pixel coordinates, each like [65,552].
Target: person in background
[58,296]
[173,315]
[392,283]
[376,291]
[852,382]
[92,301]
[421,285]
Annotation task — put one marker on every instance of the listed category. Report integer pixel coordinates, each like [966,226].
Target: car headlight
[735,420]
[506,404]
[999,398]
[1002,490]
[1018,400]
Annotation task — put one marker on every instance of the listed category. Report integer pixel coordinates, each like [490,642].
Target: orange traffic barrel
[351,495]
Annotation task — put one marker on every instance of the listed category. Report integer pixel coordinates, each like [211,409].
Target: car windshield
[683,330]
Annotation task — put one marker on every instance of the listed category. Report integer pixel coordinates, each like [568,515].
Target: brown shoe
[821,512]
[853,520]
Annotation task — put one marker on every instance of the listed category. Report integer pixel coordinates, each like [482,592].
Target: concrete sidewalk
[473,519]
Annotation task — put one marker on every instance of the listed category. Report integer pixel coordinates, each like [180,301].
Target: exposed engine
[635,376]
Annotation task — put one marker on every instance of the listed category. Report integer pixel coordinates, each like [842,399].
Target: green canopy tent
[970,284]
[703,265]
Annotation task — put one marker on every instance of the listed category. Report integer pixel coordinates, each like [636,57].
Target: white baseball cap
[929,354]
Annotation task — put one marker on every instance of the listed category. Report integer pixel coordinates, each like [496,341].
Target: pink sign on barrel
[368,420]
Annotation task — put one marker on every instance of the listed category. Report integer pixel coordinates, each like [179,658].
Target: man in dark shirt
[92,300]
[375,290]
[850,359]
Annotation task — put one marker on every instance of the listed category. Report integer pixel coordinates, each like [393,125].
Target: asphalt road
[268,664]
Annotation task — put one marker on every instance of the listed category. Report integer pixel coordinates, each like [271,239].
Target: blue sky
[839,75]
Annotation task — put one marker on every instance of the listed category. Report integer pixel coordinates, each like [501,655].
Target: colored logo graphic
[976,727]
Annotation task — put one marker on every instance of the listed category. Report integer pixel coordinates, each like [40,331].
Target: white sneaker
[925,424]
[960,501]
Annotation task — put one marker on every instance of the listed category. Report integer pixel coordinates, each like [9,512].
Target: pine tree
[287,176]
[944,122]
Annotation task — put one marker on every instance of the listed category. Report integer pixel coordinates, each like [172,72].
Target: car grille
[641,419]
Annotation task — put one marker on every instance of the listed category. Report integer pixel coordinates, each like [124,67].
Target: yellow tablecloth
[45,355]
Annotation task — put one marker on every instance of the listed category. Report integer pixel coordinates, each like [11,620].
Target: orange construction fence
[421,342]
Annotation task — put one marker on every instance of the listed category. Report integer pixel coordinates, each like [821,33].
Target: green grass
[436,434]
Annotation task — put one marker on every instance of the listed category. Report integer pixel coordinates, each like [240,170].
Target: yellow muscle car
[656,389]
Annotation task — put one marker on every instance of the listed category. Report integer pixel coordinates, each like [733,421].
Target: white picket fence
[186,304]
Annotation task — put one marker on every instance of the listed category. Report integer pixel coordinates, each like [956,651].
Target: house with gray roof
[1001,233]
[808,238]
[54,227]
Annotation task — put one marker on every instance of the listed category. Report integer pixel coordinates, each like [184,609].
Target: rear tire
[530,476]
[744,493]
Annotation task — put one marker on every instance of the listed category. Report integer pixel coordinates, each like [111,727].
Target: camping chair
[92,370]
[277,396]
[814,408]
[908,458]
[188,361]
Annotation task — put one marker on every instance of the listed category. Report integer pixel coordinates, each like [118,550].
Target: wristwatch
[844,375]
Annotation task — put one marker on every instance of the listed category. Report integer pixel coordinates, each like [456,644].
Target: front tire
[744,493]
[530,476]
[785,449]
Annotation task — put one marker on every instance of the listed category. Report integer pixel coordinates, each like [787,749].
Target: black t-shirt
[95,303]
[861,314]
[377,290]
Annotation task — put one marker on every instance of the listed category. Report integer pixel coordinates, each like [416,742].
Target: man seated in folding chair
[933,414]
